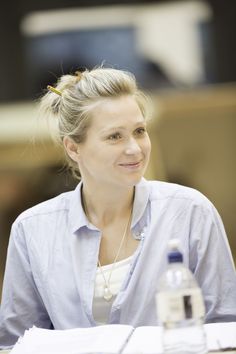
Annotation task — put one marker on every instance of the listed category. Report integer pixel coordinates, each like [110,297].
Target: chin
[131,181]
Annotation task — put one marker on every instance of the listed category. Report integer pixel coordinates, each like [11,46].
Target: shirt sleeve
[212,264]
[21,305]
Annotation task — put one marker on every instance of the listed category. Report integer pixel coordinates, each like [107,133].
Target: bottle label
[179,305]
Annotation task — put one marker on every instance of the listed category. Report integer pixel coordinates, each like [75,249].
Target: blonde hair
[75,96]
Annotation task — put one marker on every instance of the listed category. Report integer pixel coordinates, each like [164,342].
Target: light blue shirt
[53,253]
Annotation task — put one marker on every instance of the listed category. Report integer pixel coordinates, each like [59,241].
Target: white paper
[221,335]
[107,339]
[148,340]
[145,340]
[111,339]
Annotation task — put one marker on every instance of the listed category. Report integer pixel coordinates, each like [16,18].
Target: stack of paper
[103,339]
[221,336]
[145,340]
[114,339]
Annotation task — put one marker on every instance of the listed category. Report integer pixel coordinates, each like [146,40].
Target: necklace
[107,294]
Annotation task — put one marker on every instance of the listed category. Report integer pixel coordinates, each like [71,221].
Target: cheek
[95,157]
[147,146]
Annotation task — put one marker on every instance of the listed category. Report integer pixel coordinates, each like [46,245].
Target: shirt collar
[78,219]
[141,198]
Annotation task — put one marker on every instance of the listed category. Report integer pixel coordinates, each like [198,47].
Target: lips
[131,164]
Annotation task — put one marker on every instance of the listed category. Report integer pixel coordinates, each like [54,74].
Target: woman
[94,255]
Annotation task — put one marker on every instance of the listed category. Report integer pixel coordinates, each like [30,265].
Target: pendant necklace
[107,294]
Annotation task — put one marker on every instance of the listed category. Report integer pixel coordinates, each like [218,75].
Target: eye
[114,137]
[140,131]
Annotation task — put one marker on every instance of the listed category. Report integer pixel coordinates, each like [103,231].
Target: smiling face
[117,146]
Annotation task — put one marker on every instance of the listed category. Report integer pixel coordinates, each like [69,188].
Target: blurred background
[183,54]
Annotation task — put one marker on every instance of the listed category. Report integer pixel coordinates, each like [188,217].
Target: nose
[132,147]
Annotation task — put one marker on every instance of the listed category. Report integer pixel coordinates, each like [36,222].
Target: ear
[71,148]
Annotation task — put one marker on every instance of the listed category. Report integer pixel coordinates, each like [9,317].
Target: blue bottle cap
[175,257]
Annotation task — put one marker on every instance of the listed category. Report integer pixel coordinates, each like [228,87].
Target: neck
[103,208]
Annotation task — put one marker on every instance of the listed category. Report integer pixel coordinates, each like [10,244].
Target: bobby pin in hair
[52,89]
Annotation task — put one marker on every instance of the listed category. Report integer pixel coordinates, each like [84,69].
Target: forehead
[112,112]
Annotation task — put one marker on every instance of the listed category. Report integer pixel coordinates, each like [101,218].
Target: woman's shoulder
[50,207]
[173,191]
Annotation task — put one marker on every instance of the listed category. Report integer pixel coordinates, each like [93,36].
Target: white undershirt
[101,307]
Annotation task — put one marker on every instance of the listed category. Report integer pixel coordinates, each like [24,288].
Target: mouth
[131,165]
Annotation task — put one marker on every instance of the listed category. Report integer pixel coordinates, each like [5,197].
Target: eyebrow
[111,129]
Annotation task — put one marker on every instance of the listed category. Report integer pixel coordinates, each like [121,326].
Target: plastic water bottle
[180,307]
